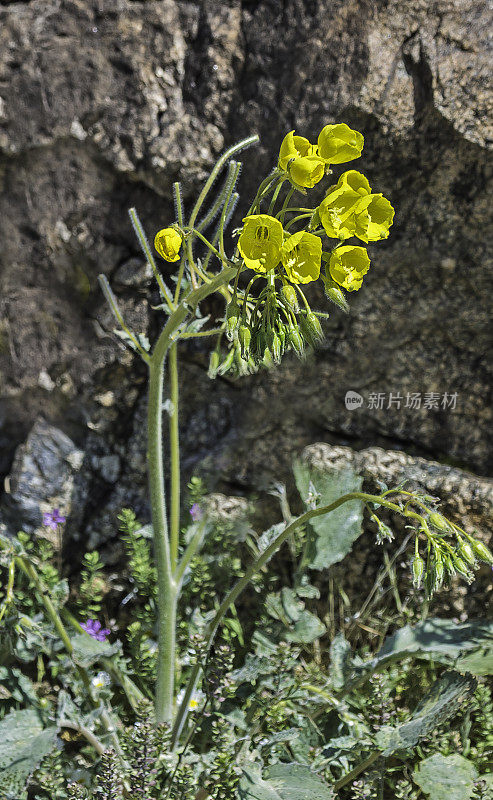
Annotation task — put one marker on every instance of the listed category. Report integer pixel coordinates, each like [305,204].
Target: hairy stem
[174,455]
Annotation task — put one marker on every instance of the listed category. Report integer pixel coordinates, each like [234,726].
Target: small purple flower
[196,512]
[94,629]
[52,519]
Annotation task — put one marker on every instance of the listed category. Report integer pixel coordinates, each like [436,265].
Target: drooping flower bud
[418,567]
[312,329]
[227,363]
[244,336]
[465,551]
[460,566]
[274,346]
[334,293]
[482,552]
[439,522]
[296,341]
[291,297]
[233,312]
[214,361]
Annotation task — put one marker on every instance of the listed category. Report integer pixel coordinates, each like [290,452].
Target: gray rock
[103,105]
[41,479]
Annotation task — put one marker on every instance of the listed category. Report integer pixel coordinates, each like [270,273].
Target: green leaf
[340,661]
[446,777]
[283,782]
[332,534]
[87,651]
[467,647]
[306,629]
[23,744]
[442,701]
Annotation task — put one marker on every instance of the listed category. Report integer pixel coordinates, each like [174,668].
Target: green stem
[234,172]
[166,599]
[190,551]
[252,570]
[215,171]
[86,733]
[356,771]
[174,455]
[167,590]
[9,591]
[275,195]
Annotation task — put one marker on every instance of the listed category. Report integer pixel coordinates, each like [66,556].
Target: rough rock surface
[104,103]
[43,477]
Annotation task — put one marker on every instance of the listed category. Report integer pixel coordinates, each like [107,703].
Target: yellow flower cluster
[263,245]
[305,163]
[349,209]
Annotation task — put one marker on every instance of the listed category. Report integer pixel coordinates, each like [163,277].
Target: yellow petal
[307,171]
[348,265]
[167,243]
[339,143]
[301,256]
[260,242]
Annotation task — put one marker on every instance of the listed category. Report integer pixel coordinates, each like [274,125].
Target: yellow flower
[380,217]
[306,171]
[294,147]
[349,209]
[339,143]
[301,256]
[167,243]
[347,266]
[260,242]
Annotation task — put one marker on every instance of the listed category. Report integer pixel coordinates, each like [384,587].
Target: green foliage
[283,782]
[92,585]
[332,536]
[442,701]
[446,777]
[138,550]
[24,742]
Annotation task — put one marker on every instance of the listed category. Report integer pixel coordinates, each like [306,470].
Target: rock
[41,479]
[103,105]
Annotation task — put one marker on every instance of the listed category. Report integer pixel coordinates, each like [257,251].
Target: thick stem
[167,590]
[166,600]
[174,455]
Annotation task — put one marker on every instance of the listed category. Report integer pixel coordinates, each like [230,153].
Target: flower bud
[482,552]
[296,341]
[418,568]
[291,296]
[334,293]
[244,336]
[232,318]
[213,364]
[227,363]
[275,346]
[460,566]
[312,328]
[438,570]
[267,359]
[448,564]
[439,522]
[465,551]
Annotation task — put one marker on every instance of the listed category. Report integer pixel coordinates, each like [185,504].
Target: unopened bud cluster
[449,551]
